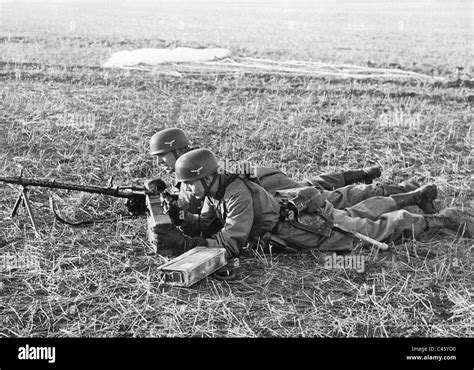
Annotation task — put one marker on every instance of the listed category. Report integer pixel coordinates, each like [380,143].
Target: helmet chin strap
[207,188]
[175,154]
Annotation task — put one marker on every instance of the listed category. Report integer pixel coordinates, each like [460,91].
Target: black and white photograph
[197,172]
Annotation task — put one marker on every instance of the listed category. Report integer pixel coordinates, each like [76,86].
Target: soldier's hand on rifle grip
[155,186]
[136,206]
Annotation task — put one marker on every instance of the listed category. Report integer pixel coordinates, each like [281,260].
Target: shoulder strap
[257,206]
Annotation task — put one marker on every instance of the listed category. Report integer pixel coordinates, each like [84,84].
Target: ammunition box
[192,266]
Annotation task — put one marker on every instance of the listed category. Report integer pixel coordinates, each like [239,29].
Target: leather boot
[422,197]
[454,219]
[365,175]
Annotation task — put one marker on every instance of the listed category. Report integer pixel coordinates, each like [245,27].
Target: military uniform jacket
[270,179]
[233,205]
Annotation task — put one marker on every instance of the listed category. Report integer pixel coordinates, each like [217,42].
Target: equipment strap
[257,207]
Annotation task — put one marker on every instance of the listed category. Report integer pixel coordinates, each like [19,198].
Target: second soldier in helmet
[248,213]
[337,187]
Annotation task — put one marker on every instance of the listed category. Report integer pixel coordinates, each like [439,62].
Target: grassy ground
[100,281]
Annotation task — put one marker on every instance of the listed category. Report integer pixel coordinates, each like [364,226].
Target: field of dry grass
[100,281]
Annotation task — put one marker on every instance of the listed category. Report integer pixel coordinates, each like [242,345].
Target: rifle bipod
[23,198]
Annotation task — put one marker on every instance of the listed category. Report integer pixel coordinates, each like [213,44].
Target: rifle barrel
[53,184]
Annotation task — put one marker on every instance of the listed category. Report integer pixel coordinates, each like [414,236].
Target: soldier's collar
[224,181]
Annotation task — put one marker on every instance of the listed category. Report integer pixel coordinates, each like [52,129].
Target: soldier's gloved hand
[155,185]
[175,238]
[171,238]
[136,206]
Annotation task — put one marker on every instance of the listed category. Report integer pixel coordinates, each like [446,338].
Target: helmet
[167,140]
[196,164]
